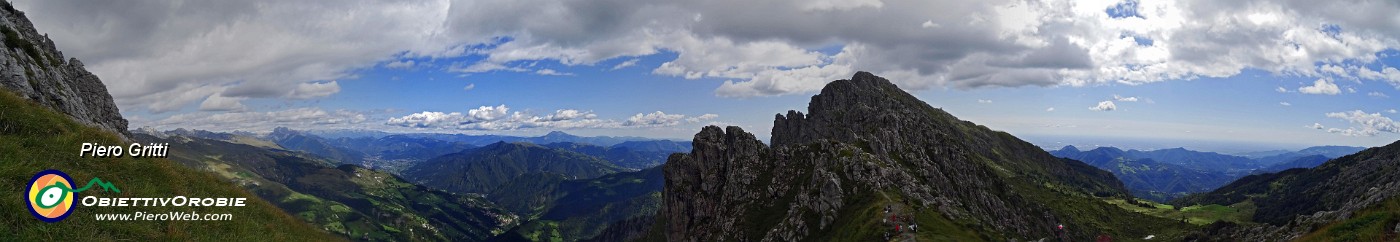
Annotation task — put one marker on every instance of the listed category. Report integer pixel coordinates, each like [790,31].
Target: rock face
[867,145]
[32,67]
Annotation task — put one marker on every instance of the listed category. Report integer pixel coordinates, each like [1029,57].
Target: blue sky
[1213,75]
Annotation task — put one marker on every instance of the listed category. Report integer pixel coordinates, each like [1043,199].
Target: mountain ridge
[867,145]
[1312,203]
[32,66]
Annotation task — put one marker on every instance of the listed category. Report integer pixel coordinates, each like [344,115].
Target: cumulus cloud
[984,101]
[1281,90]
[1390,111]
[1366,124]
[469,87]
[1315,126]
[1104,106]
[426,119]
[1050,109]
[1285,104]
[488,113]
[1377,94]
[1321,86]
[494,118]
[657,118]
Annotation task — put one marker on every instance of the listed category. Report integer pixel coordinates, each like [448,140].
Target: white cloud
[552,72]
[488,113]
[311,90]
[1377,94]
[1281,90]
[657,118]
[702,117]
[1335,70]
[1285,104]
[984,101]
[258,48]
[496,118]
[151,54]
[469,87]
[1390,111]
[625,64]
[1353,132]
[427,119]
[1104,106]
[568,114]
[403,64]
[1367,124]
[1368,74]
[930,24]
[1050,109]
[1315,126]
[220,103]
[1321,86]
[1387,74]
[1124,99]
[1392,75]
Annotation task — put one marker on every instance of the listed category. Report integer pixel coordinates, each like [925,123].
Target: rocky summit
[870,162]
[32,67]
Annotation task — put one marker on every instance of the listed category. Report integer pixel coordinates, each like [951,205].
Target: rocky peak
[32,67]
[866,143]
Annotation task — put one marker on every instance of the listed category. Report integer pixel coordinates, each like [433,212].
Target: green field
[1239,213]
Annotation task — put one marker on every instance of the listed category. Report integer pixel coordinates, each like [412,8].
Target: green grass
[1376,223]
[34,138]
[1239,213]
[13,40]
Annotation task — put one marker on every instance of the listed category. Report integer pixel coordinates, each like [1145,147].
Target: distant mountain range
[1166,174]
[395,152]
[485,169]
[344,199]
[1350,198]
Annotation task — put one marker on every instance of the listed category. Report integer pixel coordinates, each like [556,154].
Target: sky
[1208,74]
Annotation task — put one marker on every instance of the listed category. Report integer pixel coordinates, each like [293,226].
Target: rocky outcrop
[32,67]
[867,144]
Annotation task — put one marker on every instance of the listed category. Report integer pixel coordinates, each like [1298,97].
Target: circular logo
[50,195]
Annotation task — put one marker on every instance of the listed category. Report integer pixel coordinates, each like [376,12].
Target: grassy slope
[348,200]
[581,209]
[1376,223]
[33,138]
[1195,214]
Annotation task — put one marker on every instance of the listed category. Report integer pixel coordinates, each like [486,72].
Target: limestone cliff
[31,66]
